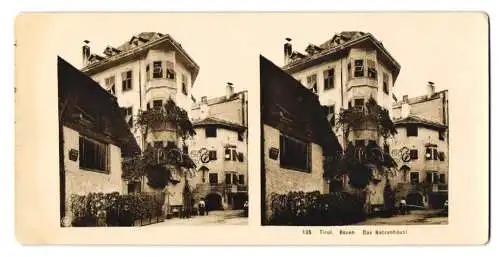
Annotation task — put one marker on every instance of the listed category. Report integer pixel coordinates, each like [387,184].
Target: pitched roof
[219,99]
[128,49]
[293,109]
[218,123]
[419,99]
[338,46]
[413,119]
[75,89]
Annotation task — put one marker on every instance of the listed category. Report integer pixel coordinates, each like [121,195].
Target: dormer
[110,51]
[312,49]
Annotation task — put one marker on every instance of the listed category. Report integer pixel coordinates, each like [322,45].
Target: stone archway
[213,202]
[415,199]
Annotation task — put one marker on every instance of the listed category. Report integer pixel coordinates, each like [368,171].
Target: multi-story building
[421,147]
[346,71]
[144,72]
[219,149]
[296,137]
[92,138]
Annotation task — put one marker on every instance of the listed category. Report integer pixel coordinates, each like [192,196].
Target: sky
[226,46]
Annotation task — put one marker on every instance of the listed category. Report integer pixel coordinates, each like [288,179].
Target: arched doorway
[414,199]
[213,202]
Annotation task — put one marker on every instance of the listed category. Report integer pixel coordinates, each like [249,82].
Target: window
[158,144]
[157,104]
[328,79]
[372,69]
[134,187]
[170,70]
[148,73]
[359,68]
[331,114]
[241,179]
[385,83]
[235,179]
[312,83]
[294,154]
[441,135]
[442,178]
[435,178]
[210,132]
[157,70]
[359,102]
[227,154]
[412,131]
[349,71]
[126,81]
[128,113]
[241,157]
[235,155]
[94,155]
[434,154]
[413,154]
[441,156]
[213,178]
[110,85]
[428,177]
[228,178]
[240,136]
[171,145]
[428,153]
[212,155]
[184,84]
[414,177]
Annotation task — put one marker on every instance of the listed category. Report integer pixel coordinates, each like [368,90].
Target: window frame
[110,87]
[184,84]
[157,70]
[93,168]
[285,161]
[328,79]
[210,135]
[359,68]
[213,176]
[127,80]
[408,134]
[312,84]
[385,83]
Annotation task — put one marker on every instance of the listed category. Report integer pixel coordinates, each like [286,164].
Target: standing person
[402,206]
[201,207]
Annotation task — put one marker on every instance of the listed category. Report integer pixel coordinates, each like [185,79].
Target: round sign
[205,158]
[405,154]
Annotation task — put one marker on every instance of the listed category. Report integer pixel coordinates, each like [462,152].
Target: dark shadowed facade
[296,137]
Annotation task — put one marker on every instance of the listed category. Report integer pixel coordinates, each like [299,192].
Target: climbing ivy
[157,163]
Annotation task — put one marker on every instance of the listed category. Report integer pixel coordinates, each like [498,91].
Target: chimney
[229,90]
[204,108]
[405,107]
[85,53]
[288,50]
[430,89]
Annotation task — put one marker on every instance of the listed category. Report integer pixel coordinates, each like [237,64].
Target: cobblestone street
[416,217]
[226,217]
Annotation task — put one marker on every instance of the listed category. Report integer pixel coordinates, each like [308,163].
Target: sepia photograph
[253,128]
[138,148]
[342,144]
